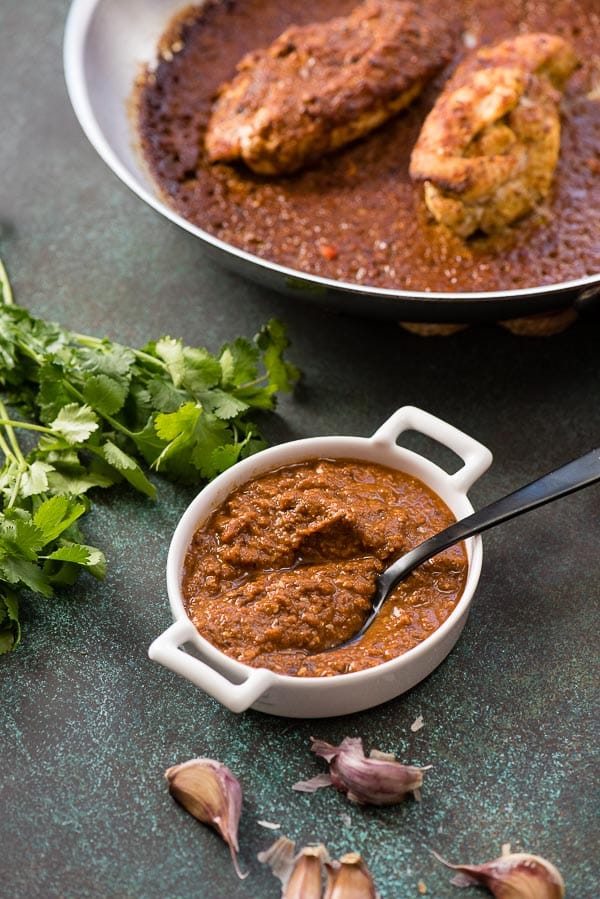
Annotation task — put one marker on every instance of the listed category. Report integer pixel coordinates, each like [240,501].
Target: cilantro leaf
[222,404]
[10,629]
[164,396]
[87,557]
[35,479]
[239,362]
[19,535]
[19,571]
[202,370]
[105,394]
[171,352]
[128,468]
[75,423]
[53,392]
[55,515]
[272,341]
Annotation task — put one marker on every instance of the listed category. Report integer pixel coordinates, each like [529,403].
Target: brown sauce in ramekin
[286,568]
[356,216]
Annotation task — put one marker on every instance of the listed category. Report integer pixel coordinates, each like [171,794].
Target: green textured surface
[88,724]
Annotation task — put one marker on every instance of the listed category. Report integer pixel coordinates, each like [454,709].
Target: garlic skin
[211,793]
[301,874]
[349,878]
[514,875]
[379,779]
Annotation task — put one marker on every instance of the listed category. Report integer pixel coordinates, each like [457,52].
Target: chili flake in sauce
[286,567]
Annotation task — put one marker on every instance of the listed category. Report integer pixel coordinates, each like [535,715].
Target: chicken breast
[320,86]
[488,149]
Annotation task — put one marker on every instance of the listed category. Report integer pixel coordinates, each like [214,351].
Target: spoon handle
[564,480]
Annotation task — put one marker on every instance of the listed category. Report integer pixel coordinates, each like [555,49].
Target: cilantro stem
[12,452]
[253,383]
[29,351]
[7,450]
[151,360]
[95,342]
[7,294]
[16,488]
[86,339]
[10,424]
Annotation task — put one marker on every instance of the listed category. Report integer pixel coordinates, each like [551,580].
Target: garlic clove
[514,875]
[301,874]
[349,878]
[306,879]
[379,779]
[280,857]
[211,793]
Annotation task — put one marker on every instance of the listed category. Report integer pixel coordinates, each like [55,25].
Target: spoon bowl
[575,475]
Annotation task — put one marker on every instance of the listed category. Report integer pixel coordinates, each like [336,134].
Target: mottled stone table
[88,724]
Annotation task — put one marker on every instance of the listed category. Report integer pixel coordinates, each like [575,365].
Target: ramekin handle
[475,455]
[235,696]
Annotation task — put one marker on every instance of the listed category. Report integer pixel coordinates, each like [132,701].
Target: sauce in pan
[355,215]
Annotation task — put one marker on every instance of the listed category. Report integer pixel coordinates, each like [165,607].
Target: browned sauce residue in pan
[286,567]
[356,216]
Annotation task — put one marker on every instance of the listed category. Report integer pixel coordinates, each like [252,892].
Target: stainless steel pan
[106,41]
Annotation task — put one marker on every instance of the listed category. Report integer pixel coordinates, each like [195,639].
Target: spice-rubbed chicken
[322,85]
[488,149]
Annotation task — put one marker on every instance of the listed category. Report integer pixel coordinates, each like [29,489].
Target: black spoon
[564,480]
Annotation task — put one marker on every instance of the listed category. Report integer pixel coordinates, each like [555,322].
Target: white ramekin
[238,686]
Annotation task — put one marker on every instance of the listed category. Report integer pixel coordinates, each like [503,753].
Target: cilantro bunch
[92,413]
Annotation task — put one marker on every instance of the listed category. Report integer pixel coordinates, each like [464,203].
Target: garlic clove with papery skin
[301,874]
[349,878]
[514,875]
[209,791]
[379,779]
